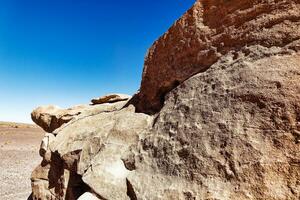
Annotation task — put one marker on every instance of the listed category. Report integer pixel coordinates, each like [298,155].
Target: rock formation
[207,32]
[223,90]
[228,133]
[52,117]
[110,98]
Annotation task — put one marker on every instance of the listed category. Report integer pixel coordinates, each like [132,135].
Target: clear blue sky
[65,52]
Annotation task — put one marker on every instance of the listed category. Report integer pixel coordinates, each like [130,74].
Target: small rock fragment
[110,98]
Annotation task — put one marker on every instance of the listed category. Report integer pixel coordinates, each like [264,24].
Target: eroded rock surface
[52,117]
[90,151]
[208,31]
[228,133]
[224,84]
[110,98]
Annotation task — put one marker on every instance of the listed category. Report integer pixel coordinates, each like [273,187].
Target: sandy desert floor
[19,145]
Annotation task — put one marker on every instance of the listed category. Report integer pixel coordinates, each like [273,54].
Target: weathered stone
[226,133]
[44,148]
[224,84]
[94,150]
[49,181]
[110,98]
[51,117]
[208,31]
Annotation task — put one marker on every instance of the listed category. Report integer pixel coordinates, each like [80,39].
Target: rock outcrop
[110,98]
[208,31]
[228,133]
[86,154]
[223,88]
[52,117]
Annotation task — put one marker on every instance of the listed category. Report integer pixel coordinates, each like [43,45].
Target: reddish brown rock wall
[208,31]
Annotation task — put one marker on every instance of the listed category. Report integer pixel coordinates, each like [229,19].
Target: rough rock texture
[110,98]
[229,133]
[208,31]
[52,117]
[94,150]
[224,84]
[87,154]
[49,180]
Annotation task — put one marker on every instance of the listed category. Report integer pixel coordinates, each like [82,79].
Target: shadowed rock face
[208,31]
[224,83]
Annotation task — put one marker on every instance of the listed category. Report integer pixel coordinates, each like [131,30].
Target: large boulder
[208,31]
[52,117]
[91,149]
[94,150]
[231,132]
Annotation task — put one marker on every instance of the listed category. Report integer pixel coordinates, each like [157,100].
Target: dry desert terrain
[19,144]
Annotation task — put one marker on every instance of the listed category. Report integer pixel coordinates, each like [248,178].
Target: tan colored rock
[224,81]
[227,133]
[208,31]
[49,181]
[110,98]
[52,181]
[84,147]
[44,148]
[95,150]
[52,117]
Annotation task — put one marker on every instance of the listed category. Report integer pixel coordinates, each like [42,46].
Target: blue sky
[65,52]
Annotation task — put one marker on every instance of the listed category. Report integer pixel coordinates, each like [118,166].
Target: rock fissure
[130,191]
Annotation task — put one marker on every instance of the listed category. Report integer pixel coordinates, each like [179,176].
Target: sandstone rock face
[52,117]
[208,31]
[228,133]
[224,84]
[87,153]
[110,98]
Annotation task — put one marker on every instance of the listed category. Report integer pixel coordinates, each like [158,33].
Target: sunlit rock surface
[217,116]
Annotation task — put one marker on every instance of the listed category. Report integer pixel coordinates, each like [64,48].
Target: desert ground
[19,144]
